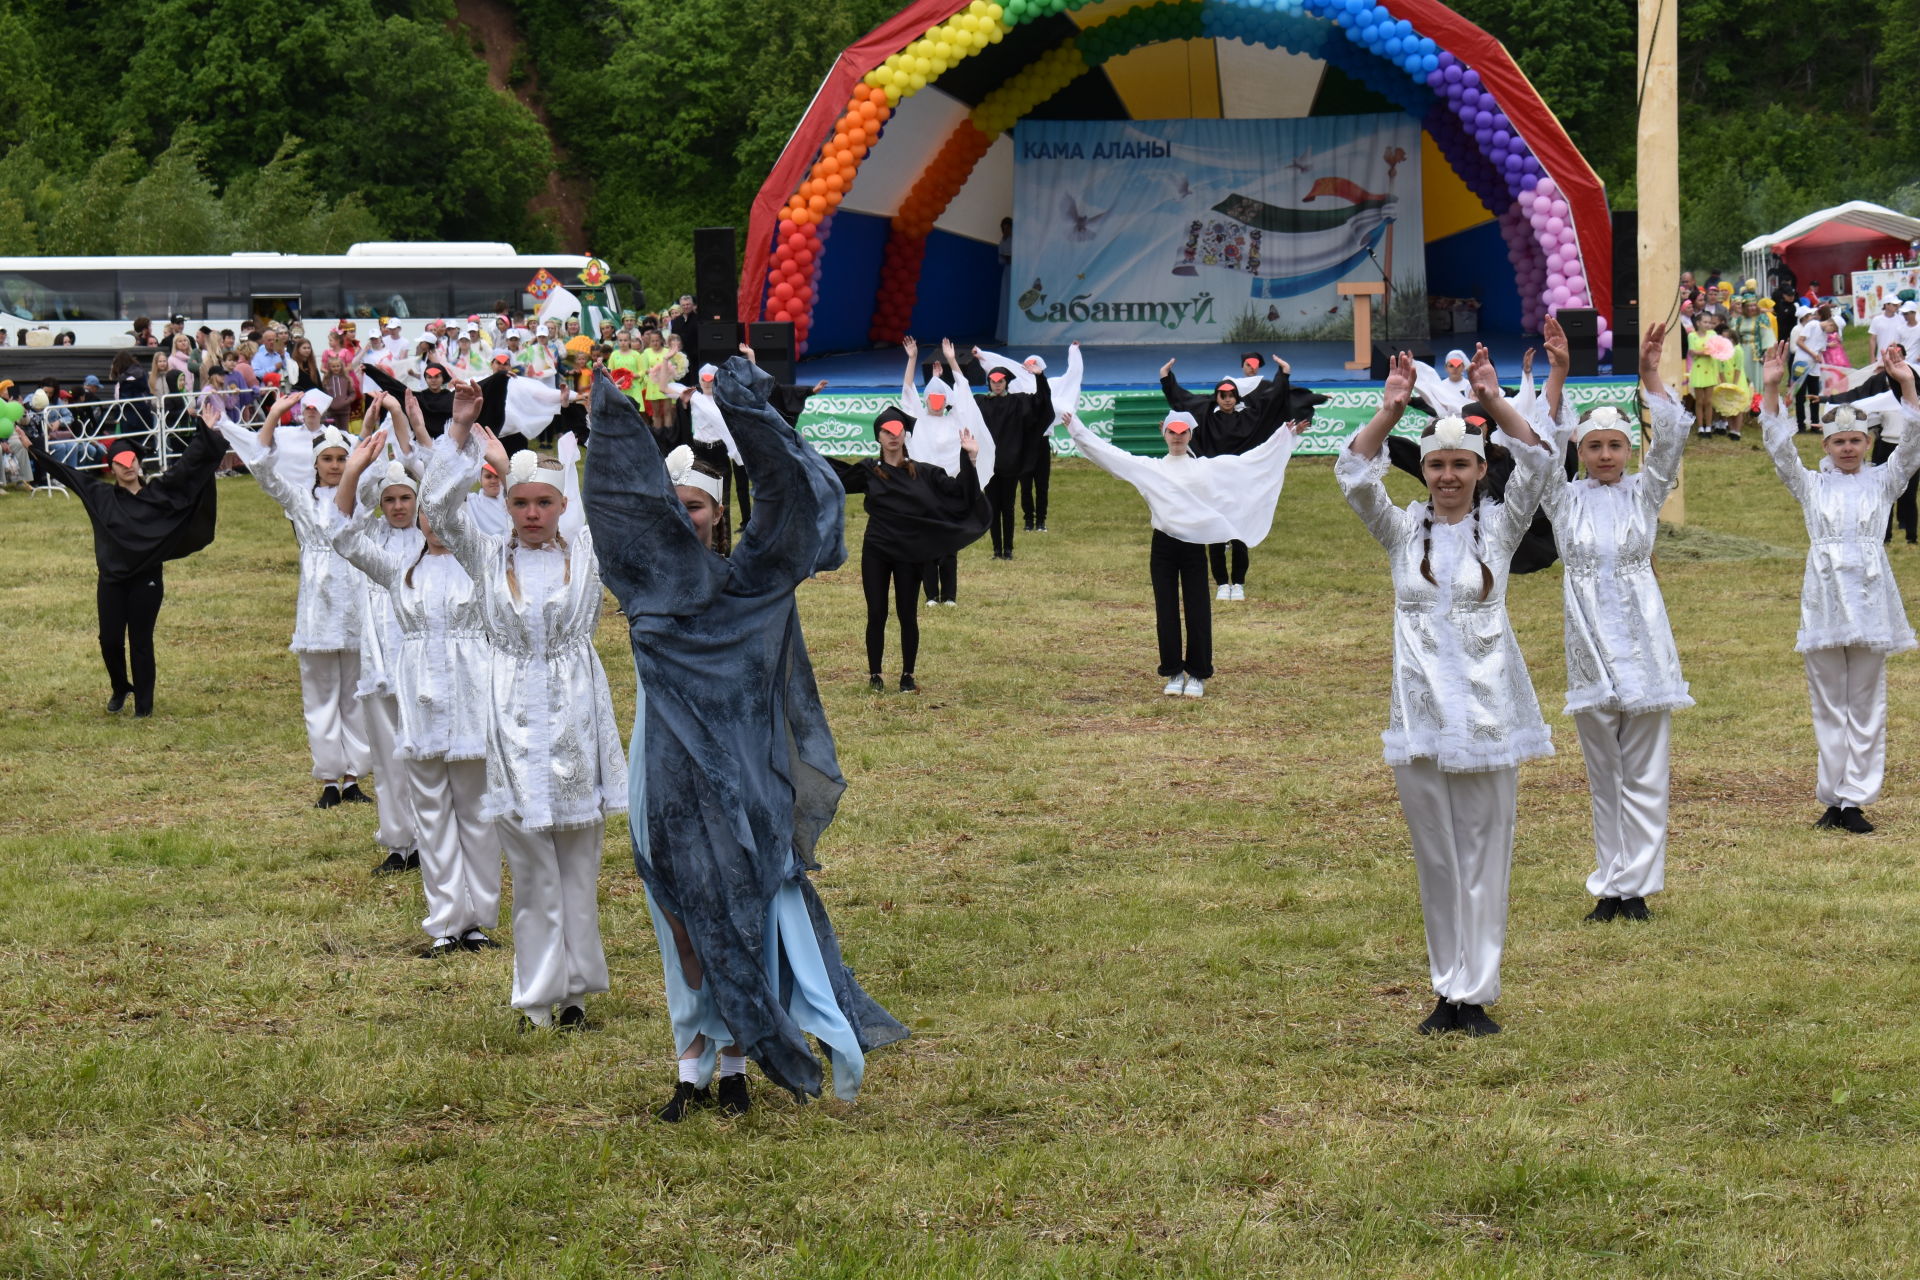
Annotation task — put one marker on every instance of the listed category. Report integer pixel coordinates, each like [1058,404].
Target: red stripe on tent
[803,148]
[1580,186]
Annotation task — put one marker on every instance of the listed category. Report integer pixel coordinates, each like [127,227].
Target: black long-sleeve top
[1246,427]
[917,512]
[171,516]
[1016,421]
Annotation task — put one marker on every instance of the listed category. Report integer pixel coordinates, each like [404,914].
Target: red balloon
[783,291]
[797,240]
[786,227]
[782,317]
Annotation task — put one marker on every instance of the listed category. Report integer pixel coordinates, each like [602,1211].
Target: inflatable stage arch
[890,152]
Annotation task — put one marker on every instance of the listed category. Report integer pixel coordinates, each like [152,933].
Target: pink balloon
[1558,208]
[1546,186]
[1556,226]
[1561,297]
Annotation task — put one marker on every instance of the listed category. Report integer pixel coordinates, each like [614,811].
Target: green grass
[1162,960]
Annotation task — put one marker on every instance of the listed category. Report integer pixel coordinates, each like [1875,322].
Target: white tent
[1833,235]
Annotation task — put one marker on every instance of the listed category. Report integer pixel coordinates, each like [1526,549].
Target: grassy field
[1162,960]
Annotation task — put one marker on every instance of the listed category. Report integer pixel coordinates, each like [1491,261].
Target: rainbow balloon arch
[1486,119]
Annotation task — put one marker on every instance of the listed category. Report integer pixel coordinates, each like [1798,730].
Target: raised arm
[799,521]
[354,540]
[1501,411]
[1179,399]
[909,394]
[452,470]
[1906,455]
[358,461]
[649,556]
[1777,427]
[1394,394]
[1559,361]
[1361,468]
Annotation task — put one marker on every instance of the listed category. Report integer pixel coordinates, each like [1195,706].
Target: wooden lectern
[1363,292]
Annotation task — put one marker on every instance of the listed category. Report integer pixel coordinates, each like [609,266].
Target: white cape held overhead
[531,405]
[936,440]
[1447,397]
[1225,499]
[709,425]
[1063,391]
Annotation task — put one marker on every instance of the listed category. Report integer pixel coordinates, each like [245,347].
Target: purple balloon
[1501,138]
[1513,168]
[1447,59]
[1528,181]
[1481,135]
[1450,69]
[1472,78]
[1436,78]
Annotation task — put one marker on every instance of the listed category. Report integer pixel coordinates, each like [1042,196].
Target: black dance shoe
[474,940]
[732,1099]
[1851,819]
[1443,1018]
[1831,818]
[329,796]
[440,947]
[1474,1021]
[413,859]
[572,1018]
[1604,910]
[877,682]
[394,863]
[116,702]
[142,713]
[1029,526]
[685,1098]
[352,794]
[1634,909]
[907,684]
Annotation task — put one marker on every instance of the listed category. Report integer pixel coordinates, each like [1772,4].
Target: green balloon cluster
[1152,24]
[1019,11]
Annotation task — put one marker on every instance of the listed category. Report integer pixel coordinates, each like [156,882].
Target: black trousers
[128,611]
[877,573]
[1217,557]
[941,578]
[1033,492]
[1807,387]
[1002,494]
[1905,513]
[742,494]
[1179,572]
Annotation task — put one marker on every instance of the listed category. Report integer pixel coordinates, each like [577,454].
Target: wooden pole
[1657,175]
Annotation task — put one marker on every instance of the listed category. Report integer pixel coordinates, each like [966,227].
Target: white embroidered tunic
[1848,596]
[327,611]
[554,758]
[441,667]
[1620,651]
[1461,696]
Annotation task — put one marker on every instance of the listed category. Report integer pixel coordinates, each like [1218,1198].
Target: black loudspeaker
[716,287]
[1626,336]
[1384,351]
[1583,341]
[715,342]
[1626,288]
[772,344]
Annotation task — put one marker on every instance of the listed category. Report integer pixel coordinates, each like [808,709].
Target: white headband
[524,468]
[1605,418]
[680,470]
[330,438]
[1452,433]
[1843,419]
[397,475]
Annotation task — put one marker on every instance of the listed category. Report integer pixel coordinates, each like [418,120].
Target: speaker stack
[773,347]
[1384,351]
[715,296]
[1583,341]
[1626,288]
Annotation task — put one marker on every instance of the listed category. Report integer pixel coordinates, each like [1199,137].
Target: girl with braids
[1851,617]
[300,469]
[916,513]
[1623,672]
[1463,715]
[438,675]
[554,766]
[733,762]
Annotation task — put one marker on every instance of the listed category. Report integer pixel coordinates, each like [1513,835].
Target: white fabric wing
[709,425]
[1206,500]
[531,405]
[1447,398]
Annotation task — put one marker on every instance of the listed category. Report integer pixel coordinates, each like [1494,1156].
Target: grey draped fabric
[738,762]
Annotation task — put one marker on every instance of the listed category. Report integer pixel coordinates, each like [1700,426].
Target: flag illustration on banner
[542,284]
[1321,244]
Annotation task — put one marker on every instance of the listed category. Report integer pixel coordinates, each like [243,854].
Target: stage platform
[1314,364]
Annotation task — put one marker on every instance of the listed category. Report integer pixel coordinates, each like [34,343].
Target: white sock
[539,1017]
[689,1071]
[733,1064]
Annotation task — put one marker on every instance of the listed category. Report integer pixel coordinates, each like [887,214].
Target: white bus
[98,298]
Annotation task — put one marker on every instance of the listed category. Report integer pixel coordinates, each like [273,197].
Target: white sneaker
[1224,593]
[1176,686]
[1239,592]
[951,604]
[1195,688]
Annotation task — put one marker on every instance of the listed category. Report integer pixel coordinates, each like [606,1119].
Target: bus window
[159,294]
[404,295]
[59,295]
[483,296]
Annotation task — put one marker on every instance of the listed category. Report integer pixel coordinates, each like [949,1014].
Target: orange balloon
[817,203]
[835,184]
[839,143]
[833,199]
[843,158]
[856,135]
[801,217]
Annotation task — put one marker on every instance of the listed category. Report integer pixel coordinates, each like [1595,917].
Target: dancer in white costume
[439,674]
[555,768]
[1463,715]
[1623,672]
[1851,617]
[299,468]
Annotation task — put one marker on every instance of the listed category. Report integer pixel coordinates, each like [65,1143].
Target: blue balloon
[1430,62]
[1404,27]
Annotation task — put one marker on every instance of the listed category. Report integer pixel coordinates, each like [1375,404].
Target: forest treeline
[194,126]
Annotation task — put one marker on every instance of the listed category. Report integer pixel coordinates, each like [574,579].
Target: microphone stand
[1386,298]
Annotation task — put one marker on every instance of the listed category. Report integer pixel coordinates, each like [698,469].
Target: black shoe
[474,940]
[1604,910]
[1040,528]
[906,683]
[329,796]
[685,1098]
[413,859]
[1029,526]
[352,794]
[527,1026]
[1634,909]
[1443,1018]
[1474,1021]
[572,1018]
[1855,821]
[394,864]
[732,1099]
[142,713]
[116,702]
[1733,435]
[1831,818]
[441,947]
[877,682]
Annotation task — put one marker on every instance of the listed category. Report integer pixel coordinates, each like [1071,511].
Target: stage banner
[841,425]
[1151,231]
